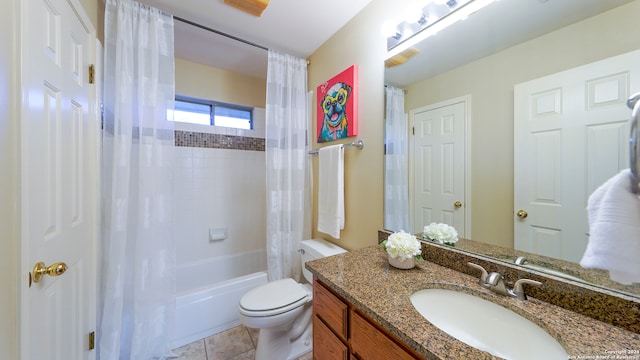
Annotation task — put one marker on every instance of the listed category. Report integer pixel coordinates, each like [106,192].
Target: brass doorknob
[522,214]
[55,269]
[457,204]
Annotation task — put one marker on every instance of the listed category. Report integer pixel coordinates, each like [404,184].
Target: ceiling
[295,27]
[299,27]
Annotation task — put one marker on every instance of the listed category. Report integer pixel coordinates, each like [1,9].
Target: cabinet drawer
[332,310]
[369,343]
[326,345]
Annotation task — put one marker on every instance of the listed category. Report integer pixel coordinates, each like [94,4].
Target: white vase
[400,263]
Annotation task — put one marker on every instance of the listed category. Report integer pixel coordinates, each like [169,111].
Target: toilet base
[276,343]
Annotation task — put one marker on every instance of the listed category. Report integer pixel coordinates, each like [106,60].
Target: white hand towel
[614,230]
[331,190]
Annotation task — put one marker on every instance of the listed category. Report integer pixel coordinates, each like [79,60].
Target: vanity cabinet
[330,325]
[341,331]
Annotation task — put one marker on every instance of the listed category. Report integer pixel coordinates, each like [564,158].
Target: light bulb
[389,28]
[413,12]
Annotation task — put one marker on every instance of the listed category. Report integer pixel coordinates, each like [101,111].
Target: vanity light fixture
[413,12]
[390,29]
[432,16]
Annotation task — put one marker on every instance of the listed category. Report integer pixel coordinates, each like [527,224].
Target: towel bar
[634,150]
[359,144]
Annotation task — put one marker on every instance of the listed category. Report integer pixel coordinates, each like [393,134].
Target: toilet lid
[274,295]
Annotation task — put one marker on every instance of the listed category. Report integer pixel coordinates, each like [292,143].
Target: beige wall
[205,82]
[9,229]
[95,11]
[359,43]
[490,83]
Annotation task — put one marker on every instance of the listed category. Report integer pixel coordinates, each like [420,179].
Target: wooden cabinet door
[369,343]
[332,310]
[326,346]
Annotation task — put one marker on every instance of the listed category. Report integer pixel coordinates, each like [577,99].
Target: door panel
[439,166]
[570,135]
[59,174]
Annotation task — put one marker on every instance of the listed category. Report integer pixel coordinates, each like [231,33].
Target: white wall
[220,188]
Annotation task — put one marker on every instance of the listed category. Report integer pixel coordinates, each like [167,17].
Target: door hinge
[92,340]
[92,73]
[413,130]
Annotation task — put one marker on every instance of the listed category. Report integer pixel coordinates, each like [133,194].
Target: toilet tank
[316,249]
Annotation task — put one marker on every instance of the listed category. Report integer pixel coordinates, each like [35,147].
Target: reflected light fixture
[401,57]
[432,16]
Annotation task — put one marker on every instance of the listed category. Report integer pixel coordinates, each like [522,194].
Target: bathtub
[208,293]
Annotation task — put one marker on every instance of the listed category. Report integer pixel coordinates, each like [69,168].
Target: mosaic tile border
[218,141]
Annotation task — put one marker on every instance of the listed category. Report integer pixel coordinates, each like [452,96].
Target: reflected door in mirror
[438,166]
[570,135]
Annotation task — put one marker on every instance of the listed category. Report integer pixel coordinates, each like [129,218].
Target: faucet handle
[483,276]
[518,289]
[494,278]
[521,260]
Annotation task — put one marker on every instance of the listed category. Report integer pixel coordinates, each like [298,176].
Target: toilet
[282,310]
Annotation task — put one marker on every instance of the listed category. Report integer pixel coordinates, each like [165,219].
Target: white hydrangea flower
[442,233]
[403,245]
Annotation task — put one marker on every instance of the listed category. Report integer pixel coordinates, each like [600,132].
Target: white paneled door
[438,166]
[59,174]
[571,134]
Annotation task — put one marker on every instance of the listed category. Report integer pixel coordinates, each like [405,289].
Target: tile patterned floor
[238,343]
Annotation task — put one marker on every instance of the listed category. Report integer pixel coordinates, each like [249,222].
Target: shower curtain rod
[404,90]
[219,32]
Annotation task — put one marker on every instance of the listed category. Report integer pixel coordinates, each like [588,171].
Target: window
[208,112]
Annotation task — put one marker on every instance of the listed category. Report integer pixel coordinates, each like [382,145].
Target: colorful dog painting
[336,107]
[334,122]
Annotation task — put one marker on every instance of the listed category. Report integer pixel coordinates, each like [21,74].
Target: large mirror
[484,63]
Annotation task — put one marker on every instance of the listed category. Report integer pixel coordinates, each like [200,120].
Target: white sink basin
[486,326]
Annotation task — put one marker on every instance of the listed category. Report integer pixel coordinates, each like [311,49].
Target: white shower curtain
[287,159]
[396,173]
[138,284]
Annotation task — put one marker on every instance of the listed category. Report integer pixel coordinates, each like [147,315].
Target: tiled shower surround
[220,183]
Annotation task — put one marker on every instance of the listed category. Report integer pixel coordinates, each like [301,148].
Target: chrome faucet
[495,282]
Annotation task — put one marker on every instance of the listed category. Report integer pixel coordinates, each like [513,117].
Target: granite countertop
[365,279]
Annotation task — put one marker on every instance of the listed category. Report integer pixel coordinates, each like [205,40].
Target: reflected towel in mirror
[614,227]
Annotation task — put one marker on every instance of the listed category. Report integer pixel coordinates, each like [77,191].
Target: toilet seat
[276,297]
